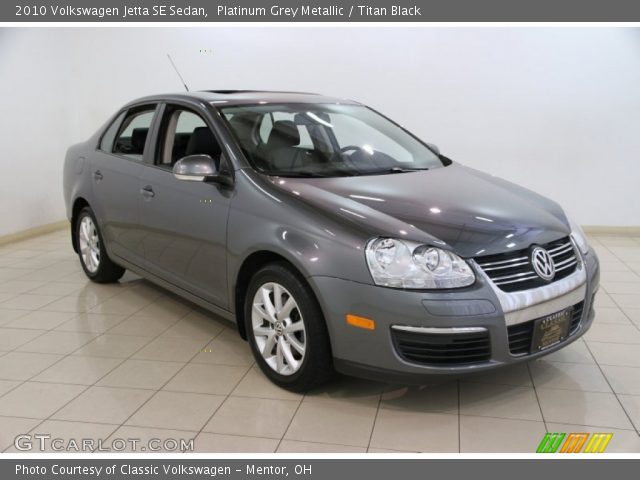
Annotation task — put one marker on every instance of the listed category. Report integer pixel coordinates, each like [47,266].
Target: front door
[184,222]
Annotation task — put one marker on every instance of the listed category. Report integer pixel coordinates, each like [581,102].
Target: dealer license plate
[551,330]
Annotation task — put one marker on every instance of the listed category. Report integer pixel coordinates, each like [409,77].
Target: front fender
[316,244]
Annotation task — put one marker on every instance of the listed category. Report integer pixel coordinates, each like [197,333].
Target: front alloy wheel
[286,329]
[278,328]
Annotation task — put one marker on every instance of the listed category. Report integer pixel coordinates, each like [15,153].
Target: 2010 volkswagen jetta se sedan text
[334,238]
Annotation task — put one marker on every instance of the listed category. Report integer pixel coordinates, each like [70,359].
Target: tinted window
[267,125]
[327,140]
[186,133]
[106,144]
[133,132]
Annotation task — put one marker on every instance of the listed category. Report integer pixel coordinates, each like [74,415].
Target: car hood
[457,207]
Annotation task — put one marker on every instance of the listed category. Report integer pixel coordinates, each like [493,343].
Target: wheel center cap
[279,328]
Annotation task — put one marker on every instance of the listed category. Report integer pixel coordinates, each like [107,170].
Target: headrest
[241,126]
[203,142]
[283,134]
[138,138]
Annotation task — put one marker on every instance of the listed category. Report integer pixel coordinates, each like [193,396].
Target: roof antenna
[176,69]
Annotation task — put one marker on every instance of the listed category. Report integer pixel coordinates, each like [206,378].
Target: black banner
[320,11]
[317,469]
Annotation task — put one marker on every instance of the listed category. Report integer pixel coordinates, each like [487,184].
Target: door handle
[147,191]
[97,175]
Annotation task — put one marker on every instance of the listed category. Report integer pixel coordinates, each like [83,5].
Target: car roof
[245,97]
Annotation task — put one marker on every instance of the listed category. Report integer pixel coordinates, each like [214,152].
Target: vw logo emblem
[543,263]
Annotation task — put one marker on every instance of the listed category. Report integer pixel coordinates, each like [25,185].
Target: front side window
[325,140]
[132,134]
[186,133]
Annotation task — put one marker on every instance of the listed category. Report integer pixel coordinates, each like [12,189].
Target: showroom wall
[556,110]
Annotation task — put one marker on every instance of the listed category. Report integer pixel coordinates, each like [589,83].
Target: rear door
[185,223]
[116,168]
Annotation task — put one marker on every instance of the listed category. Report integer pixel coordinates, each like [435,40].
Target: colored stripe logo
[574,443]
[598,442]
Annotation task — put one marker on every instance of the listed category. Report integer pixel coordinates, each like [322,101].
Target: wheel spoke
[268,345]
[261,313]
[279,358]
[268,306]
[295,343]
[288,355]
[277,298]
[89,260]
[263,331]
[83,233]
[286,309]
[294,327]
[85,229]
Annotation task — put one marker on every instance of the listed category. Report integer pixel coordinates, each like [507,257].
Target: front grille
[442,348]
[513,271]
[520,338]
[521,335]
[576,317]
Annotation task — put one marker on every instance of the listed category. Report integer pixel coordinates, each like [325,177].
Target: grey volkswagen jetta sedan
[333,237]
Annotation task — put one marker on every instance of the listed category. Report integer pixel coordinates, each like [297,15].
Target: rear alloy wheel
[93,257]
[89,244]
[286,329]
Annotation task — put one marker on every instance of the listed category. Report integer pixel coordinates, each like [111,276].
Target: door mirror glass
[196,168]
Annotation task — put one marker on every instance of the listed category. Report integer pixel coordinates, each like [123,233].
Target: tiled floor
[128,360]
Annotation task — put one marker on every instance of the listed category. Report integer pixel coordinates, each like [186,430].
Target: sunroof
[229,92]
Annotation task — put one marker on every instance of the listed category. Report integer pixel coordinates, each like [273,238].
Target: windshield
[325,140]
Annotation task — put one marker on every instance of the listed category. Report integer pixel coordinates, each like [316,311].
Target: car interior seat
[203,142]
[138,139]
[280,151]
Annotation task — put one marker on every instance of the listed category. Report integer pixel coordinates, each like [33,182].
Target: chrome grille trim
[567,266]
[512,273]
[532,276]
[556,251]
[523,305]
[503,262]
[505,266]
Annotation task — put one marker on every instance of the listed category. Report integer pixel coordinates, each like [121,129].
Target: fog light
[361,322]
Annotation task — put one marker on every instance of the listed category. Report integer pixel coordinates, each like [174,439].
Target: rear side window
[106,144]
[132,133]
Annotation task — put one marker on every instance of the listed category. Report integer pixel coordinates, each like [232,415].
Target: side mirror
[196,168]
[434,148]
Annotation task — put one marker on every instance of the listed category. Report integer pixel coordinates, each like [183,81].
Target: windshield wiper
[310,174]
[396,170]
[298,174]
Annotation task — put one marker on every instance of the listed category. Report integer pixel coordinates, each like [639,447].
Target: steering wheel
[346,158]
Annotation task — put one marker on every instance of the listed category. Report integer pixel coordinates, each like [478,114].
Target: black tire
[317,363]
[106,271]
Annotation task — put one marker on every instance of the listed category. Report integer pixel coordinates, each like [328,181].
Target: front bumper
[482,307]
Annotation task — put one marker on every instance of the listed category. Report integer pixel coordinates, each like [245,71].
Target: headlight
[578,236]
[403,264]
